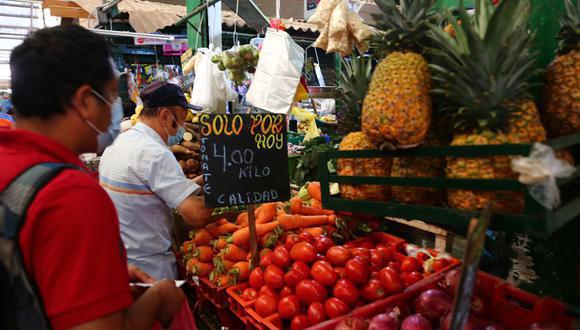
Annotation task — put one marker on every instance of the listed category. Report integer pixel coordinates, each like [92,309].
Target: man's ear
[82,100]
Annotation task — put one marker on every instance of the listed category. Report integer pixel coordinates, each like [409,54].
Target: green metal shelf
[534,219]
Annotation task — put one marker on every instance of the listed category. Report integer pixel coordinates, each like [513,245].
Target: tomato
[304,252]
[256,278]
[323,243]
[288,307]
[281,257]
[372,291]
[316,313]
[274,277]
[390,280]
[422,257]
[377,259]
[373,268]
[309,291]
[306,237]
[266,291]
[367,245]
[298,272]
[265,305]
[267,259]
[340,272]
[299,322]
[338,255]
[320,257]
[394,264]
[286,291]
[412,277]
[410,264]
[335,307]
[291,240]
[439,264]
[362,253]
[323,272]
[357,271]
[346,291]
[249,294]
[374,275]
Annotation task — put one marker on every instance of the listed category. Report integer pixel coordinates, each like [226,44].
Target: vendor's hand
[171,298]
[198,180]
[136,275]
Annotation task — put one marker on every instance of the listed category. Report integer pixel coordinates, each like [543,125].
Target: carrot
[242,219]
[240,271]
[226,228]
[221,242]
[267,213]
[212,229]
[295,221]
[203,253]
[315,204]
[196,267]
[222,265]
[308,210]
[234,253]
[242,236]
[280,208]
[295,205]
[314,231]
[332,220]
[314,190]
[200,236]
[221,221]
[224,280]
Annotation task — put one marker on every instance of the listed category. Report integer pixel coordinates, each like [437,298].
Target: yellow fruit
[397,108]
[525,126]
[562,95]
[362,167]
[495,167]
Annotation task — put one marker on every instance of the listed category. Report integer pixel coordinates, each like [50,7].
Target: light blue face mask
[175,139]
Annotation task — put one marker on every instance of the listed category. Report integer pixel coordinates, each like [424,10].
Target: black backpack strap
[22,306]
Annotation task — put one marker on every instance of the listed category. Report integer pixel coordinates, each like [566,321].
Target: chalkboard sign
[244,159]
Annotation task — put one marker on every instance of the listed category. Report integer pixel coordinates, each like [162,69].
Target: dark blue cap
[164,94]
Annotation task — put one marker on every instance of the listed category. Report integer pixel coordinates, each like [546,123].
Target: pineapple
[353,85]
[562,82]
[483,78]
[397,108]
[362,167]
[418,167]
[525,125]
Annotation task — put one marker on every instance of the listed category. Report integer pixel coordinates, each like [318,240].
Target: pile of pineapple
[468,87]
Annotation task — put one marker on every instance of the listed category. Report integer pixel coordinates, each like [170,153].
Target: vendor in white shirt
[146,183]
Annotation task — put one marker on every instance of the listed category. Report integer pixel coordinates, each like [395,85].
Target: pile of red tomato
[308,280]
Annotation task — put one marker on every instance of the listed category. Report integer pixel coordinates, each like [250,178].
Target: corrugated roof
[144,16]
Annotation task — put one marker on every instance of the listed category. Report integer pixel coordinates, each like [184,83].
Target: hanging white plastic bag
[278,73]
[210,85]
[539,172]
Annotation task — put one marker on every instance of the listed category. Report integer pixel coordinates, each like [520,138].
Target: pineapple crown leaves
[404,27]
[569,35]
[486,66]
[353,85]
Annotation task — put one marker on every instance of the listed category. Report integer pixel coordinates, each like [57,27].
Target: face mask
[104,100]
[105,139]
[175,139]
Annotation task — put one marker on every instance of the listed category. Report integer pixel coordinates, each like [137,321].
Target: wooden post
[253,236]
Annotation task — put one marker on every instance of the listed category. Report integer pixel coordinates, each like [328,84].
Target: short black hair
[52,63]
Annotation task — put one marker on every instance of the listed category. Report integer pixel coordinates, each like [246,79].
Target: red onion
[479,307]
[433,304]
[352,323]
[416,322]
[384,321]
[451,280]
[486,324]
[544,326]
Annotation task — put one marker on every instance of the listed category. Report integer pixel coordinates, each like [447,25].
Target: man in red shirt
[63,86]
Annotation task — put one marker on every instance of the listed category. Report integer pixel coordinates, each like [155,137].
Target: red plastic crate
[217,295]
[236,304]
[512,308]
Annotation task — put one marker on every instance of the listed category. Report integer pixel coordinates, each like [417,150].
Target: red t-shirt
[70,242]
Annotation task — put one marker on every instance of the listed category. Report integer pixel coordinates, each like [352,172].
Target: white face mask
[104,100]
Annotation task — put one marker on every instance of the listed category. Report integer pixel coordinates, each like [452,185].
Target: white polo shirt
[145,182]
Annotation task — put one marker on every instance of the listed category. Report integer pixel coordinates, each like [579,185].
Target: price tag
[244,159]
